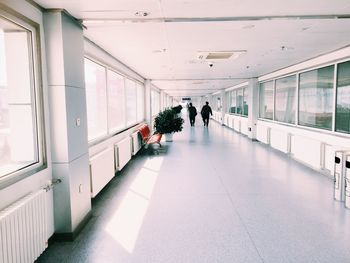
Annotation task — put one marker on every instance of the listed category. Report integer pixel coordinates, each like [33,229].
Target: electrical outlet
[77,122]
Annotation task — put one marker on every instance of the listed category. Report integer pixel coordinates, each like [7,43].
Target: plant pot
[169,137]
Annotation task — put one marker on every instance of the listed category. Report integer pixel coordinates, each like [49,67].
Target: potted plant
[167,122]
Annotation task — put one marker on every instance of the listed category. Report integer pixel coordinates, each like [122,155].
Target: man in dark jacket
[192,112]
[206,110]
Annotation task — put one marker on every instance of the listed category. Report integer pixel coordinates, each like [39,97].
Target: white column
[68,121]
[148,113]
[253,107]
[223,106]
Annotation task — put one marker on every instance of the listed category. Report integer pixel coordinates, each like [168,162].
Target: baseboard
[70,236]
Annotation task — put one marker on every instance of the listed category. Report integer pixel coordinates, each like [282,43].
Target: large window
[316,98]
[96,99]
[140,102]
[112,101]
[237,101]
[239,109]
[342,118]
[232,102]
[285,99]
[116,107]
[20,125]
[245,101]
[266,100]
[155,102]
[131,101]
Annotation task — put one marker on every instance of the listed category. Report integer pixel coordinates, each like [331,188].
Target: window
[285,99]
[140,102]
[233,102]
[96,99]
[20,125]
[116,107]
[131,110]
[217,103]
[239,103]
[155,102]
[316,98]
[266,100]
[342,117]
[245,101]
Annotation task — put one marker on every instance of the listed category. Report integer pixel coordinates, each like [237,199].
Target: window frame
[37,100]
[236,104]
[124,75]
[297,73]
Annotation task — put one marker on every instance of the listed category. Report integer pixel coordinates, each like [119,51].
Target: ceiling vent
[219,55]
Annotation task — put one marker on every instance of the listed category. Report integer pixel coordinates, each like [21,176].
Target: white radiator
[244,126]
[136,142]
[263,134]
[280,140]
[122,153]
[307,150]
[101,170]
[24,229]
[237,125]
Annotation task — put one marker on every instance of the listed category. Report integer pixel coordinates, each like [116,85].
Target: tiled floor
[211,196]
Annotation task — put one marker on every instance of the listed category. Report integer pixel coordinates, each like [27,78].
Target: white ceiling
[163,45]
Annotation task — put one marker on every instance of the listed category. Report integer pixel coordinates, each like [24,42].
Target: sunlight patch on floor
[127,220]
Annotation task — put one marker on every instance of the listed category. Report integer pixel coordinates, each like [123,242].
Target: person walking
[206,110]
[192,112]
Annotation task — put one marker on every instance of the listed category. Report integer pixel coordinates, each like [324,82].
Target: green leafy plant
[168,121]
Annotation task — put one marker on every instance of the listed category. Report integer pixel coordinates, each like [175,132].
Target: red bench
[147,138]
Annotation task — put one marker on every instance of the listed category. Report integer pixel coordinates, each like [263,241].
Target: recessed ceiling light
[141,13]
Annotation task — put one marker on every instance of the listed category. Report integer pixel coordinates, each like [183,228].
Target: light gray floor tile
[212,195]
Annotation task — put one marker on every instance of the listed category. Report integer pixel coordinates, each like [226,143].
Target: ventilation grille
[219,55]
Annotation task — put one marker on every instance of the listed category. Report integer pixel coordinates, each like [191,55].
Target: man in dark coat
[192,112]
[206,110]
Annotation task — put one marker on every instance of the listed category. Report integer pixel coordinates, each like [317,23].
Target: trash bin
[339,175]
[347,181]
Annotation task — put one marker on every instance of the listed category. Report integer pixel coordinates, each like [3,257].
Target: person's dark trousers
[206,121]
[192,120]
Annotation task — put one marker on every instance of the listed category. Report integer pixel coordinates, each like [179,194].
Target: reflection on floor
[213,196]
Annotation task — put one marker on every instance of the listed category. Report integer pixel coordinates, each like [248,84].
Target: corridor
[212,195]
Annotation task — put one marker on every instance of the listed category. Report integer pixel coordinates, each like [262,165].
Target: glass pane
[245,101]
[233,102]
[141,102]
[155,102]
[116,108]
[285,99]
[218,103]
[266,100]
[342,117]
[316,98]
[96,99]
[18,132]
[131,111]
[239,99]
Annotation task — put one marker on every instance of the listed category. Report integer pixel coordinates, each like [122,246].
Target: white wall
[36,181]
